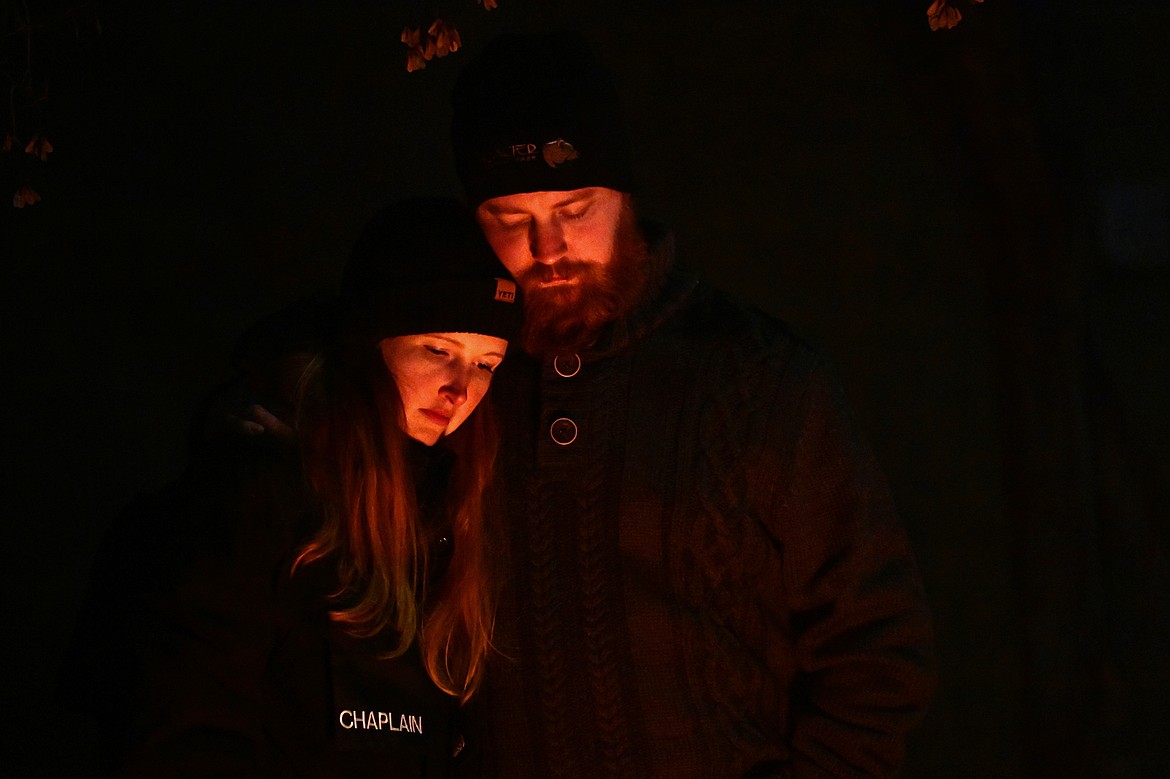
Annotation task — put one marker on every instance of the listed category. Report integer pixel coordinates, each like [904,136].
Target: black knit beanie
[538,113]
[423,266]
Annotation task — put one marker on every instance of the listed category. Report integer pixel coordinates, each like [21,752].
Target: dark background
[973,222]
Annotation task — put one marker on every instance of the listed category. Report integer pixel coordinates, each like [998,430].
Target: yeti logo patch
[505,291]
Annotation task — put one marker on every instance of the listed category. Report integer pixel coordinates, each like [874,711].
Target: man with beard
[707,577]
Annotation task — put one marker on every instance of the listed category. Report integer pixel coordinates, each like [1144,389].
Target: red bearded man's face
[577,256]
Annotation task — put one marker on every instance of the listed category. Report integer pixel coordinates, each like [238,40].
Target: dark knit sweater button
[563,431]
[567,365]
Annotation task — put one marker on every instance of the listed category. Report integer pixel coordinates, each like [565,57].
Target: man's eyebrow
[574,199]
[495,209]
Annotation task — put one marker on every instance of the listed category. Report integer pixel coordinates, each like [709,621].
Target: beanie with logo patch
[537,113]
[423,266]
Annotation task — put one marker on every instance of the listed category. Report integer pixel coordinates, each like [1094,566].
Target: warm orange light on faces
[544,228]
[441,378]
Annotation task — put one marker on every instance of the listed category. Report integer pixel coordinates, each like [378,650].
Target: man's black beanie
[537,113]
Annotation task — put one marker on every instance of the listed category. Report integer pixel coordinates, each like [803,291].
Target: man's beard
[569,317]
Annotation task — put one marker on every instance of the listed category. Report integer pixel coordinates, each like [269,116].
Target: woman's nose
[547,240]
[454,389]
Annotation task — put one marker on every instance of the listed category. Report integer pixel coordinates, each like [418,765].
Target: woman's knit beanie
[423,266]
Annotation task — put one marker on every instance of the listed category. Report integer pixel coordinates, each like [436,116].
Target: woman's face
[441,378]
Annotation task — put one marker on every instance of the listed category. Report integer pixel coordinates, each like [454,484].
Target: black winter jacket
[199,654]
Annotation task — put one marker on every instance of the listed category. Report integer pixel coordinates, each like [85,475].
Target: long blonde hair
[356,459]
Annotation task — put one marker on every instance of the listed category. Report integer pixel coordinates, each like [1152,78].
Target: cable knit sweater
[709,580]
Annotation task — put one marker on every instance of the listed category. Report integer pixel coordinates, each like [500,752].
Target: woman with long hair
[317,599]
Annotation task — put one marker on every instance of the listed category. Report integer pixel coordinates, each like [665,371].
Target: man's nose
[547,241]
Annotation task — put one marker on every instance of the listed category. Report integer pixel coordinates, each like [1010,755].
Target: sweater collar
[669,288]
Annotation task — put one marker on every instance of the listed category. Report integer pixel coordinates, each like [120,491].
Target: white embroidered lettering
[524,150]
[377,720]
